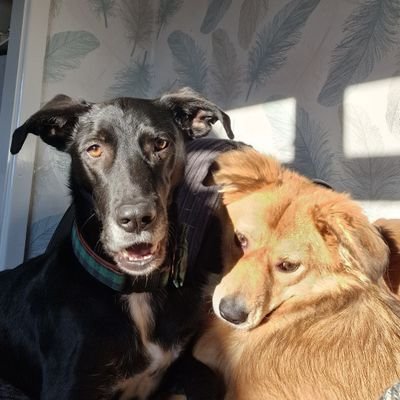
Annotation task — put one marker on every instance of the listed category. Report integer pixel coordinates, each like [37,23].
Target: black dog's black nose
[133,217]
[233,310]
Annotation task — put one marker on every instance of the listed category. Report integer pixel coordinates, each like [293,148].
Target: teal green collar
[107,273]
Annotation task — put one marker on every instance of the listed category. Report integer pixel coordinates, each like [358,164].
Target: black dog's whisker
[88,219]
[97,246]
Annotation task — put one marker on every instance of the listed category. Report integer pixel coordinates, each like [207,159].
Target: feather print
[167,9]
[133,81]
[55,6]
[40,234]
[137,17]
[375,178]
[189,61]
[368,176]
[215,12]
[299,141]
[313,155]
[65,51]
[281,115]
[251,13]
[225,70]
[103,8]
[370,32]
[273,43]
[393,105]
[59,164]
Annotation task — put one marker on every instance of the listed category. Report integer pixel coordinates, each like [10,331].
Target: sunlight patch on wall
[371,119]
[375,209]
[268,127]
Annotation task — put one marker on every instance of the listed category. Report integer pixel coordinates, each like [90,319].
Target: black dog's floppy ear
[194,114]
[54,123]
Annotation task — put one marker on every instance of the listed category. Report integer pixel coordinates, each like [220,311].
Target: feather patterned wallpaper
[313,82]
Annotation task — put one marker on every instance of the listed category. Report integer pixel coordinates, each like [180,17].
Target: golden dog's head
[287,241]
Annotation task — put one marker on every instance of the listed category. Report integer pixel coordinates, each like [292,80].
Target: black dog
[102,314]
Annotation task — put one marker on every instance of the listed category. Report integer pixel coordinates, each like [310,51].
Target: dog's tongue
[139,250]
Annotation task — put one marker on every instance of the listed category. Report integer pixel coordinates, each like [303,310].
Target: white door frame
[22,93]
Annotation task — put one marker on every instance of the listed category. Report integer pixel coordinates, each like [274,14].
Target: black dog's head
[127,156]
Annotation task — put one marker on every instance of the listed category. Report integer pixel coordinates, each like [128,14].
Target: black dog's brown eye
[286,266]
[160,144]
[241,240]
[94,151]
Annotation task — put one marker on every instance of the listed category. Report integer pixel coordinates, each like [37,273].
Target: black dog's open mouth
[140,258]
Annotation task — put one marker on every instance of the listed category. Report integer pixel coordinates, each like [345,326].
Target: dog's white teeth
[139,258]
[138,253]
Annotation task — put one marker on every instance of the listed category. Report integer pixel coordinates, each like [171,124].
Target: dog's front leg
[199,381]
[190,379]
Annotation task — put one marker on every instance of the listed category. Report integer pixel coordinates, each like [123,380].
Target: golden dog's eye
[160,144]
[286,266]
[241,240]
[94,151]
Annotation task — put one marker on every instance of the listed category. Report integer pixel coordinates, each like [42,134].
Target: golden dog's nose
[233,309]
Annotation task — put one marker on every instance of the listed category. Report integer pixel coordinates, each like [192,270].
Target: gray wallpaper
[312,82]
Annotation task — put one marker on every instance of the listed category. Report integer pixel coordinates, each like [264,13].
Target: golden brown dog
[302,310]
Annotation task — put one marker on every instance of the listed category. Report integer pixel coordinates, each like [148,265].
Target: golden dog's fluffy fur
[306,267]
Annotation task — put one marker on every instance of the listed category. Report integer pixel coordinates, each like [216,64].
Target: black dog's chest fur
[125,335]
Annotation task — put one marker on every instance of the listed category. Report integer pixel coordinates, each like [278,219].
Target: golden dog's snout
[233,309]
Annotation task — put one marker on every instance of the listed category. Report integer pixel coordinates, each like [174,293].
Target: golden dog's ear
[244,171]
[345,228]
